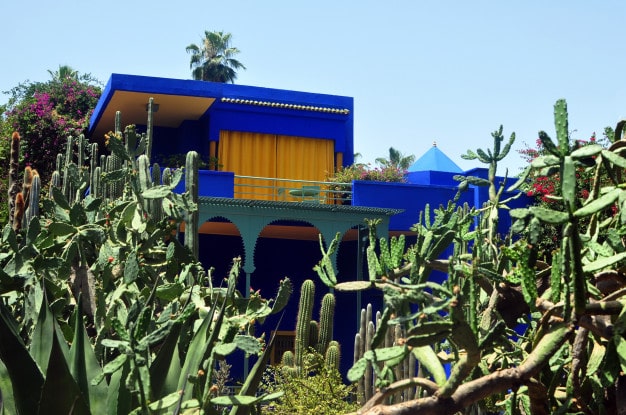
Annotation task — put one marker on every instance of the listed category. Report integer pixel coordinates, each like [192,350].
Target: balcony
[229,185]
[288,190]
[407,198]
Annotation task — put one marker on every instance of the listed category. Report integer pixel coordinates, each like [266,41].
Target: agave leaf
[7,403]
[26,378]
[119,398]
[166,367]
[61,394]
[84,365]
[253,380]
[195,354]
[165,402]
[43,334]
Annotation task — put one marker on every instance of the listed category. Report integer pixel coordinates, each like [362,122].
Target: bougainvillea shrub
[49,112]
[344,176]
[546,189]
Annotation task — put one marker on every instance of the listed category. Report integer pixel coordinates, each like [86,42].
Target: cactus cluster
[363,340]
[311,334]
[23,200]
[144,323]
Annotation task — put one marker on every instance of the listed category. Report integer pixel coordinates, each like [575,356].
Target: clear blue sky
[419,71]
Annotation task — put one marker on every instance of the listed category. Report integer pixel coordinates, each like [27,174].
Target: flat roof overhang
[180,100]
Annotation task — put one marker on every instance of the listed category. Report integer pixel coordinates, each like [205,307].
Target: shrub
[545,186]
[568,356]
[320,390]
[343,177]
[46,113]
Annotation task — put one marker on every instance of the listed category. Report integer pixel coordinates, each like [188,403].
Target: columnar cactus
[93,164]
[55,180]
[34,192]
[114,189]
[333,355]
[26,182]
[156,208]
[303,327]
[14,186]
[310,333]
[191,186]
[66,182]
[394,334]
[149,128]
[327,315]
[166,176]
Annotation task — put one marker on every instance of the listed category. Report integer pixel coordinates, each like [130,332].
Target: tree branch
[475,390]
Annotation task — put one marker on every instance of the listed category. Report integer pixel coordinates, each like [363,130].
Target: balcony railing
[287,190]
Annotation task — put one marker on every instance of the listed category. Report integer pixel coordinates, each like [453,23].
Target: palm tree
[64,72]
[213,59]
[396,159]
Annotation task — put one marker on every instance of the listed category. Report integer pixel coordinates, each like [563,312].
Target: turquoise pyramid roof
[435,160]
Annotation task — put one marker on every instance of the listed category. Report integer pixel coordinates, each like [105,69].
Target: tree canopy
[396,159]
[46,113]
[213,60]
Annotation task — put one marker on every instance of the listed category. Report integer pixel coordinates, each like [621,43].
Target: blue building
[265,196]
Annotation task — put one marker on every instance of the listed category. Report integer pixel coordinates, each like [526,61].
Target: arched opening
[286,249]
[220,241]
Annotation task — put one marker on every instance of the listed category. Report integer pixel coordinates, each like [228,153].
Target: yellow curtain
[272,156]
[249,154]
[301,158]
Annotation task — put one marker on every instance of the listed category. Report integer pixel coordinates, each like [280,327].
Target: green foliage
[146,323]
[319,391]
[342,178]
[214,59]
[45,113]
[568,357]
[543,183]
[396,159]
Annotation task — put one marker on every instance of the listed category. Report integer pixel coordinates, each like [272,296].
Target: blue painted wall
[212,183]
[410,197]
[195,135]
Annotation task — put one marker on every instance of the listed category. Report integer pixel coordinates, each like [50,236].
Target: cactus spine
[18,213]
[156,207]
[149,128]
[14,186]
[191,186]
[26,183]
[66,185]
[333,355]
[326,322]
[34,192]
